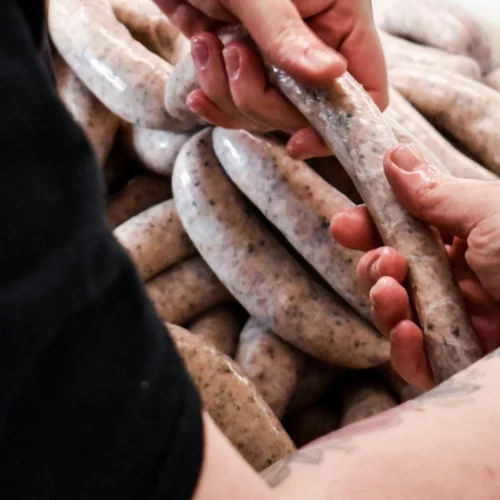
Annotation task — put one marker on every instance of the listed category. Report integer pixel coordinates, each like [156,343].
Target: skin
[493,79]
[312,41]
[467,214]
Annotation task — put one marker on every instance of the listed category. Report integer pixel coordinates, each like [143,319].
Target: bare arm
[444,445]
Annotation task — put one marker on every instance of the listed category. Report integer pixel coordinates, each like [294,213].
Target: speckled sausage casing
[99,124]
[129,79]
[155,239]
[151,27]
[221,327]
[185,290]
[298,202]
[258,271]
[401,112]
[155,149]
[233,402]
[353,127]
[138,195]
[466,109]
[311,423]
[399,51]
[270,363]
[441,24]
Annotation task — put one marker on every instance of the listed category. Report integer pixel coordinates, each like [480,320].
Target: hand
[467,214]
[312,40]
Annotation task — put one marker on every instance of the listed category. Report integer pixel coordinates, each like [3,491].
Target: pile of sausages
[231,235]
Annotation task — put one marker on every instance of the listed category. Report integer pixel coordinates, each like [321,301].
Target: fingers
[211,72]
[355,37]
[408,355]
[286,40]
[455,205]
[251,93]
[354,228]
[306,143]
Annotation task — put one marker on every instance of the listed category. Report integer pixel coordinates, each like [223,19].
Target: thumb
[286,41]
[451,204]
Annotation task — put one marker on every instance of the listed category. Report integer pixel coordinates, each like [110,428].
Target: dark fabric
[94,401]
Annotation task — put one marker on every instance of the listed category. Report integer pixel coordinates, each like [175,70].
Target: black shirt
[94,400]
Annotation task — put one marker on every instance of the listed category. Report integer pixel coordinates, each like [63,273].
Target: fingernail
[200,54]
[375,270]
[319,60]
[233,61]
[407,158]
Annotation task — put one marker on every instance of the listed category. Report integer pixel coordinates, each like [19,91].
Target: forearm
[444,445]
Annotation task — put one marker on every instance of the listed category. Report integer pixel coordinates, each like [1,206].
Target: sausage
[493,79]
[311,424]
[443,25]
[156,150]
[399,386]
[298,202]
[399,51]
[221,327]
[151,27]
[270,363]
[138,195]
[353,127]
[125,76]
[155,239]
[233,402]
[466,109]
[185,290]
[315,378]
[403,114]
[99,124]
[258,271]
[363,398]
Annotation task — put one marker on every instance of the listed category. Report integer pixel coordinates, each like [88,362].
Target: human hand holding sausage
[313,41]
[467,213]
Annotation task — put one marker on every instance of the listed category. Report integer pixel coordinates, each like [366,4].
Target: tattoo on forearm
[451,393]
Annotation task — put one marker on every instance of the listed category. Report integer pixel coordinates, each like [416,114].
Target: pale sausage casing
[233,402]
[352,126]
[298,202]
[125,76]
[258,271]
[155,239]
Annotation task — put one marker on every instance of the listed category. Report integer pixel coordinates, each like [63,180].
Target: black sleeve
[94,401]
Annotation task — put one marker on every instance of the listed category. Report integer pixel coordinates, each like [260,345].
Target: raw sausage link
[315,378]
[122,73]
[298,202]
[221,327]
[149,26]
[399,386]
[413,123]
[466,109]
[353,127]
[155,239]
[156,150]
[399,51]
[138,195]
[311,424]
[99,124]
[493,79]
[186,290]
[363,399]
[442,24]
[270,363]
[233,402]
[258,271]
